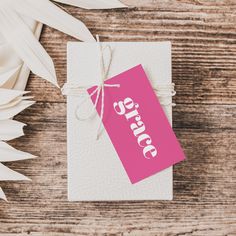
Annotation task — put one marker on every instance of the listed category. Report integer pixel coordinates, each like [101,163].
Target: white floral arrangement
[20,52]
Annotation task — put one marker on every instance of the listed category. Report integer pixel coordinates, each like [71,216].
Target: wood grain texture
[203,36]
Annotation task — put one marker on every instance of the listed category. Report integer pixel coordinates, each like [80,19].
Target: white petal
[8,174]
[12,111]
[10,129]
[9,75]
[94,4]
[2,195]
[10,65]
[25,71]
[27,97]
[7,95]
[8,58]
[8,153]
[12,103]
[49,14]
[23,41]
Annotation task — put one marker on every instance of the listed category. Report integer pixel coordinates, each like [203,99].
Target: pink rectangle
[137,125]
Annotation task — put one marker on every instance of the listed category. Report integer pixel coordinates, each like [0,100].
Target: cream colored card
[95,172]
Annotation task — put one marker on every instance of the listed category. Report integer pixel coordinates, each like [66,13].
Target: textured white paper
[95,172]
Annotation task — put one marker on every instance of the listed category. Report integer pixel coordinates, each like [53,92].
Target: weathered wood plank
[201,183]
[202,117]
[203,39]
[195,90]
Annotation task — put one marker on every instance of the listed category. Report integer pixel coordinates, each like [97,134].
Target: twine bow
[99,90]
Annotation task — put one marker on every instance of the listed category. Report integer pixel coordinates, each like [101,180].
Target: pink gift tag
[137,125]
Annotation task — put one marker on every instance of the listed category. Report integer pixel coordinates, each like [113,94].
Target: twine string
[99,91]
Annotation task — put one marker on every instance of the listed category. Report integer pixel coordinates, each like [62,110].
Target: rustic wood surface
[203,35]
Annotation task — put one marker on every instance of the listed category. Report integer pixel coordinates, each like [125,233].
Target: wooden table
[203,36]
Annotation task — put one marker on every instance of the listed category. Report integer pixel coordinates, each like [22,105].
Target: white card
[95,172]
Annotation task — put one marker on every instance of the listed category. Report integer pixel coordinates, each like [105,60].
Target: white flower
[16,31]
[20,51]
[11,103]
